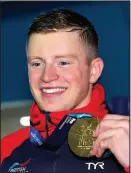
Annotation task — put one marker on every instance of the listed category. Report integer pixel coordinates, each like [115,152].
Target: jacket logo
[72,120]
[36,138]
[19,167]
[95,165]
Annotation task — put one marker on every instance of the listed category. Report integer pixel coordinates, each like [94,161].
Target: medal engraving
[80,137]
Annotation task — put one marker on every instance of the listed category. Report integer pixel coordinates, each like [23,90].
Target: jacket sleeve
[11,141]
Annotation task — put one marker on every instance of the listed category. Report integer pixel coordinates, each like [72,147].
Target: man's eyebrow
[65,56]
[56,56]
[34,57]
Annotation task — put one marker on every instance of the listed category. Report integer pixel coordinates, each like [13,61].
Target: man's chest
[28,158]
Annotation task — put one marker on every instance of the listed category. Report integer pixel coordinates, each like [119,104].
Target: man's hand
[113,133]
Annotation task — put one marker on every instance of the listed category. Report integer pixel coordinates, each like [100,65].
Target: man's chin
[53,108]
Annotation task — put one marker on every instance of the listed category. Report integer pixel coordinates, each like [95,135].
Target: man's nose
[49,74]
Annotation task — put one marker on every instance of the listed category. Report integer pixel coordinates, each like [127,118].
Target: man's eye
[63,63]
[36,64]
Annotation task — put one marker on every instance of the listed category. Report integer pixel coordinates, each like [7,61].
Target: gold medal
[80,136]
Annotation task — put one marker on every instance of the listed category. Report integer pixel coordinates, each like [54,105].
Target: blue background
[111,20]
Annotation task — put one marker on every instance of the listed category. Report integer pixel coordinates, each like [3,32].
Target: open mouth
[53,91]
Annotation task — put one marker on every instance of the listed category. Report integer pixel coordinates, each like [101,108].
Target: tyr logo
[95,165]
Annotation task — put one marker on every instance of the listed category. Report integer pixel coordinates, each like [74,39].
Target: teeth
[54,90]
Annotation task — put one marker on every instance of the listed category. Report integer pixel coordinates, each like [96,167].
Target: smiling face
[59,74]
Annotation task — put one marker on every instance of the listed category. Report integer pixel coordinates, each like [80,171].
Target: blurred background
[111,21]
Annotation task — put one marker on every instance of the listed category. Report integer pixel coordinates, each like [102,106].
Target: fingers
[102,148]
[116,117]
[109,139]
[98,143]
[106,124]
[98,153]
[113,133]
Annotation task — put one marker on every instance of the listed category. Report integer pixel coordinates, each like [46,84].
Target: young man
[63,68]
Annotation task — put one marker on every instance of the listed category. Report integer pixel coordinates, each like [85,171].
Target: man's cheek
[34,82]
[72,76]
[33,77]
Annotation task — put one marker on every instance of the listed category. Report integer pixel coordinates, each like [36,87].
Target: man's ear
[96,68]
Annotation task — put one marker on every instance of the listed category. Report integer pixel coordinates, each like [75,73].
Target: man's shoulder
[13,140]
